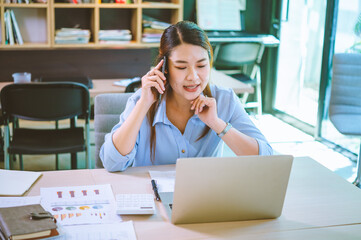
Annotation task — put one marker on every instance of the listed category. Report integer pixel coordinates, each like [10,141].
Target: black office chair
[133,87]
[242,61]
[45,102]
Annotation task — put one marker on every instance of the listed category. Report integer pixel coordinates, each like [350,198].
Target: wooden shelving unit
[38,22]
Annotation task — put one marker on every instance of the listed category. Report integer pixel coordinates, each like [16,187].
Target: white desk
[266,39]
[319,205]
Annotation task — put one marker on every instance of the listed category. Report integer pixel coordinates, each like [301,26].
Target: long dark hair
[173,36]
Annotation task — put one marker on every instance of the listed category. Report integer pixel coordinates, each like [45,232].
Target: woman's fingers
[151,84]
[157,79]
[199,103]
[159,65]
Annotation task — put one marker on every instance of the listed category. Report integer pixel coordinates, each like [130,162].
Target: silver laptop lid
[230,188]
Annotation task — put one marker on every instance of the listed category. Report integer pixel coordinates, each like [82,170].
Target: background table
[101,86]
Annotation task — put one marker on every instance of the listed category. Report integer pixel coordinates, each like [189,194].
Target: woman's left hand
[206,108]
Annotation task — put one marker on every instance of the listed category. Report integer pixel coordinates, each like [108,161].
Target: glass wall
[348,39]
[300,58]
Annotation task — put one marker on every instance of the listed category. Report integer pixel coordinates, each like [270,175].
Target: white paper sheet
[16,183]
[165,180]
[119,231]
[18,201]
[80,204]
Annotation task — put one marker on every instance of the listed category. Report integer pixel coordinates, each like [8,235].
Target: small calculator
[134,204]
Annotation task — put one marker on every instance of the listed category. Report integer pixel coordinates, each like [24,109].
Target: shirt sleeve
[240,120]
[111,158]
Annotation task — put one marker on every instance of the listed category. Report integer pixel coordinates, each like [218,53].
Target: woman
[191,117]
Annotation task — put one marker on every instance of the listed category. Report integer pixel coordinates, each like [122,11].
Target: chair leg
[21,162]
[57,161]
[259,93]
[6,146]
[73,157]
[357,181]
[244,98]
[87,142]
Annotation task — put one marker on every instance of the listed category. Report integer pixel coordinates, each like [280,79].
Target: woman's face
[189,69]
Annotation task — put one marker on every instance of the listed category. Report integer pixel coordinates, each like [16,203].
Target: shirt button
[183,151]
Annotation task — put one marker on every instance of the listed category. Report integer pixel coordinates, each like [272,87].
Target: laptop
[228,189]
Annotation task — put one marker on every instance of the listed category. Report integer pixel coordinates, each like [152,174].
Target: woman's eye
[202,66]
[181,68]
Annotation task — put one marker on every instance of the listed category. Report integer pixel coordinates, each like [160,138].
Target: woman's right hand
[153,84]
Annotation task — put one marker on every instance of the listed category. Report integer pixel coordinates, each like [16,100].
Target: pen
[155,189]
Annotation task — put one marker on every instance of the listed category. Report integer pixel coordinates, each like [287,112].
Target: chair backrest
[133,87]
[45,101]
[345,100]
[107,109]
[236,54]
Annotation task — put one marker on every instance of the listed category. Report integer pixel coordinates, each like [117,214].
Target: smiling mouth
[191,88]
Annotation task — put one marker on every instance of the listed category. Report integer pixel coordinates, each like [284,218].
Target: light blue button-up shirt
[171,144]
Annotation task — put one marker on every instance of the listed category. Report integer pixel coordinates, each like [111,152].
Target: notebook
[228,189]
[16,183]
[15,223]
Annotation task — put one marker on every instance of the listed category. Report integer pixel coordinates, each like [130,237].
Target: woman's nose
[192,74]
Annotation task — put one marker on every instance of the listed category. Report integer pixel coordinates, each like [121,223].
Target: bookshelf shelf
[115,5]
[71,5]
[23,5]
[39,22]
[27,45]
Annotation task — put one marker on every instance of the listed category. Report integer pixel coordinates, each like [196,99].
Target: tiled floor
[283,138]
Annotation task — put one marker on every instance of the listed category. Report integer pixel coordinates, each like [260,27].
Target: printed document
[80,204]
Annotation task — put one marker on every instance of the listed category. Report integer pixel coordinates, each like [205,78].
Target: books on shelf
[25,1]
[72,36]
[152,29]
[117,36]
[15,223]
[12,31]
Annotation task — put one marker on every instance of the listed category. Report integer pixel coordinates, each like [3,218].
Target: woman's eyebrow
[182,61]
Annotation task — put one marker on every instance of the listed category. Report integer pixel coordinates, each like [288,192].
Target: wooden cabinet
[38,22]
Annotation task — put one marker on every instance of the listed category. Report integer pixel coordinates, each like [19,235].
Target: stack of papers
[117,36]
[72,36]
[126,81]
[153,29]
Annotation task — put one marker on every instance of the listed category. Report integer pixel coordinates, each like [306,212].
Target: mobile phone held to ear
[163,71]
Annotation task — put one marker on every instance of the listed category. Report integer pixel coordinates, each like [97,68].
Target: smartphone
[163,71]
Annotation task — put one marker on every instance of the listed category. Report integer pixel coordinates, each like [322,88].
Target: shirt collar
[161,114]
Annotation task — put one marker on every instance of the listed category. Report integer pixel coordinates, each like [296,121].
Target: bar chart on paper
[80,204]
